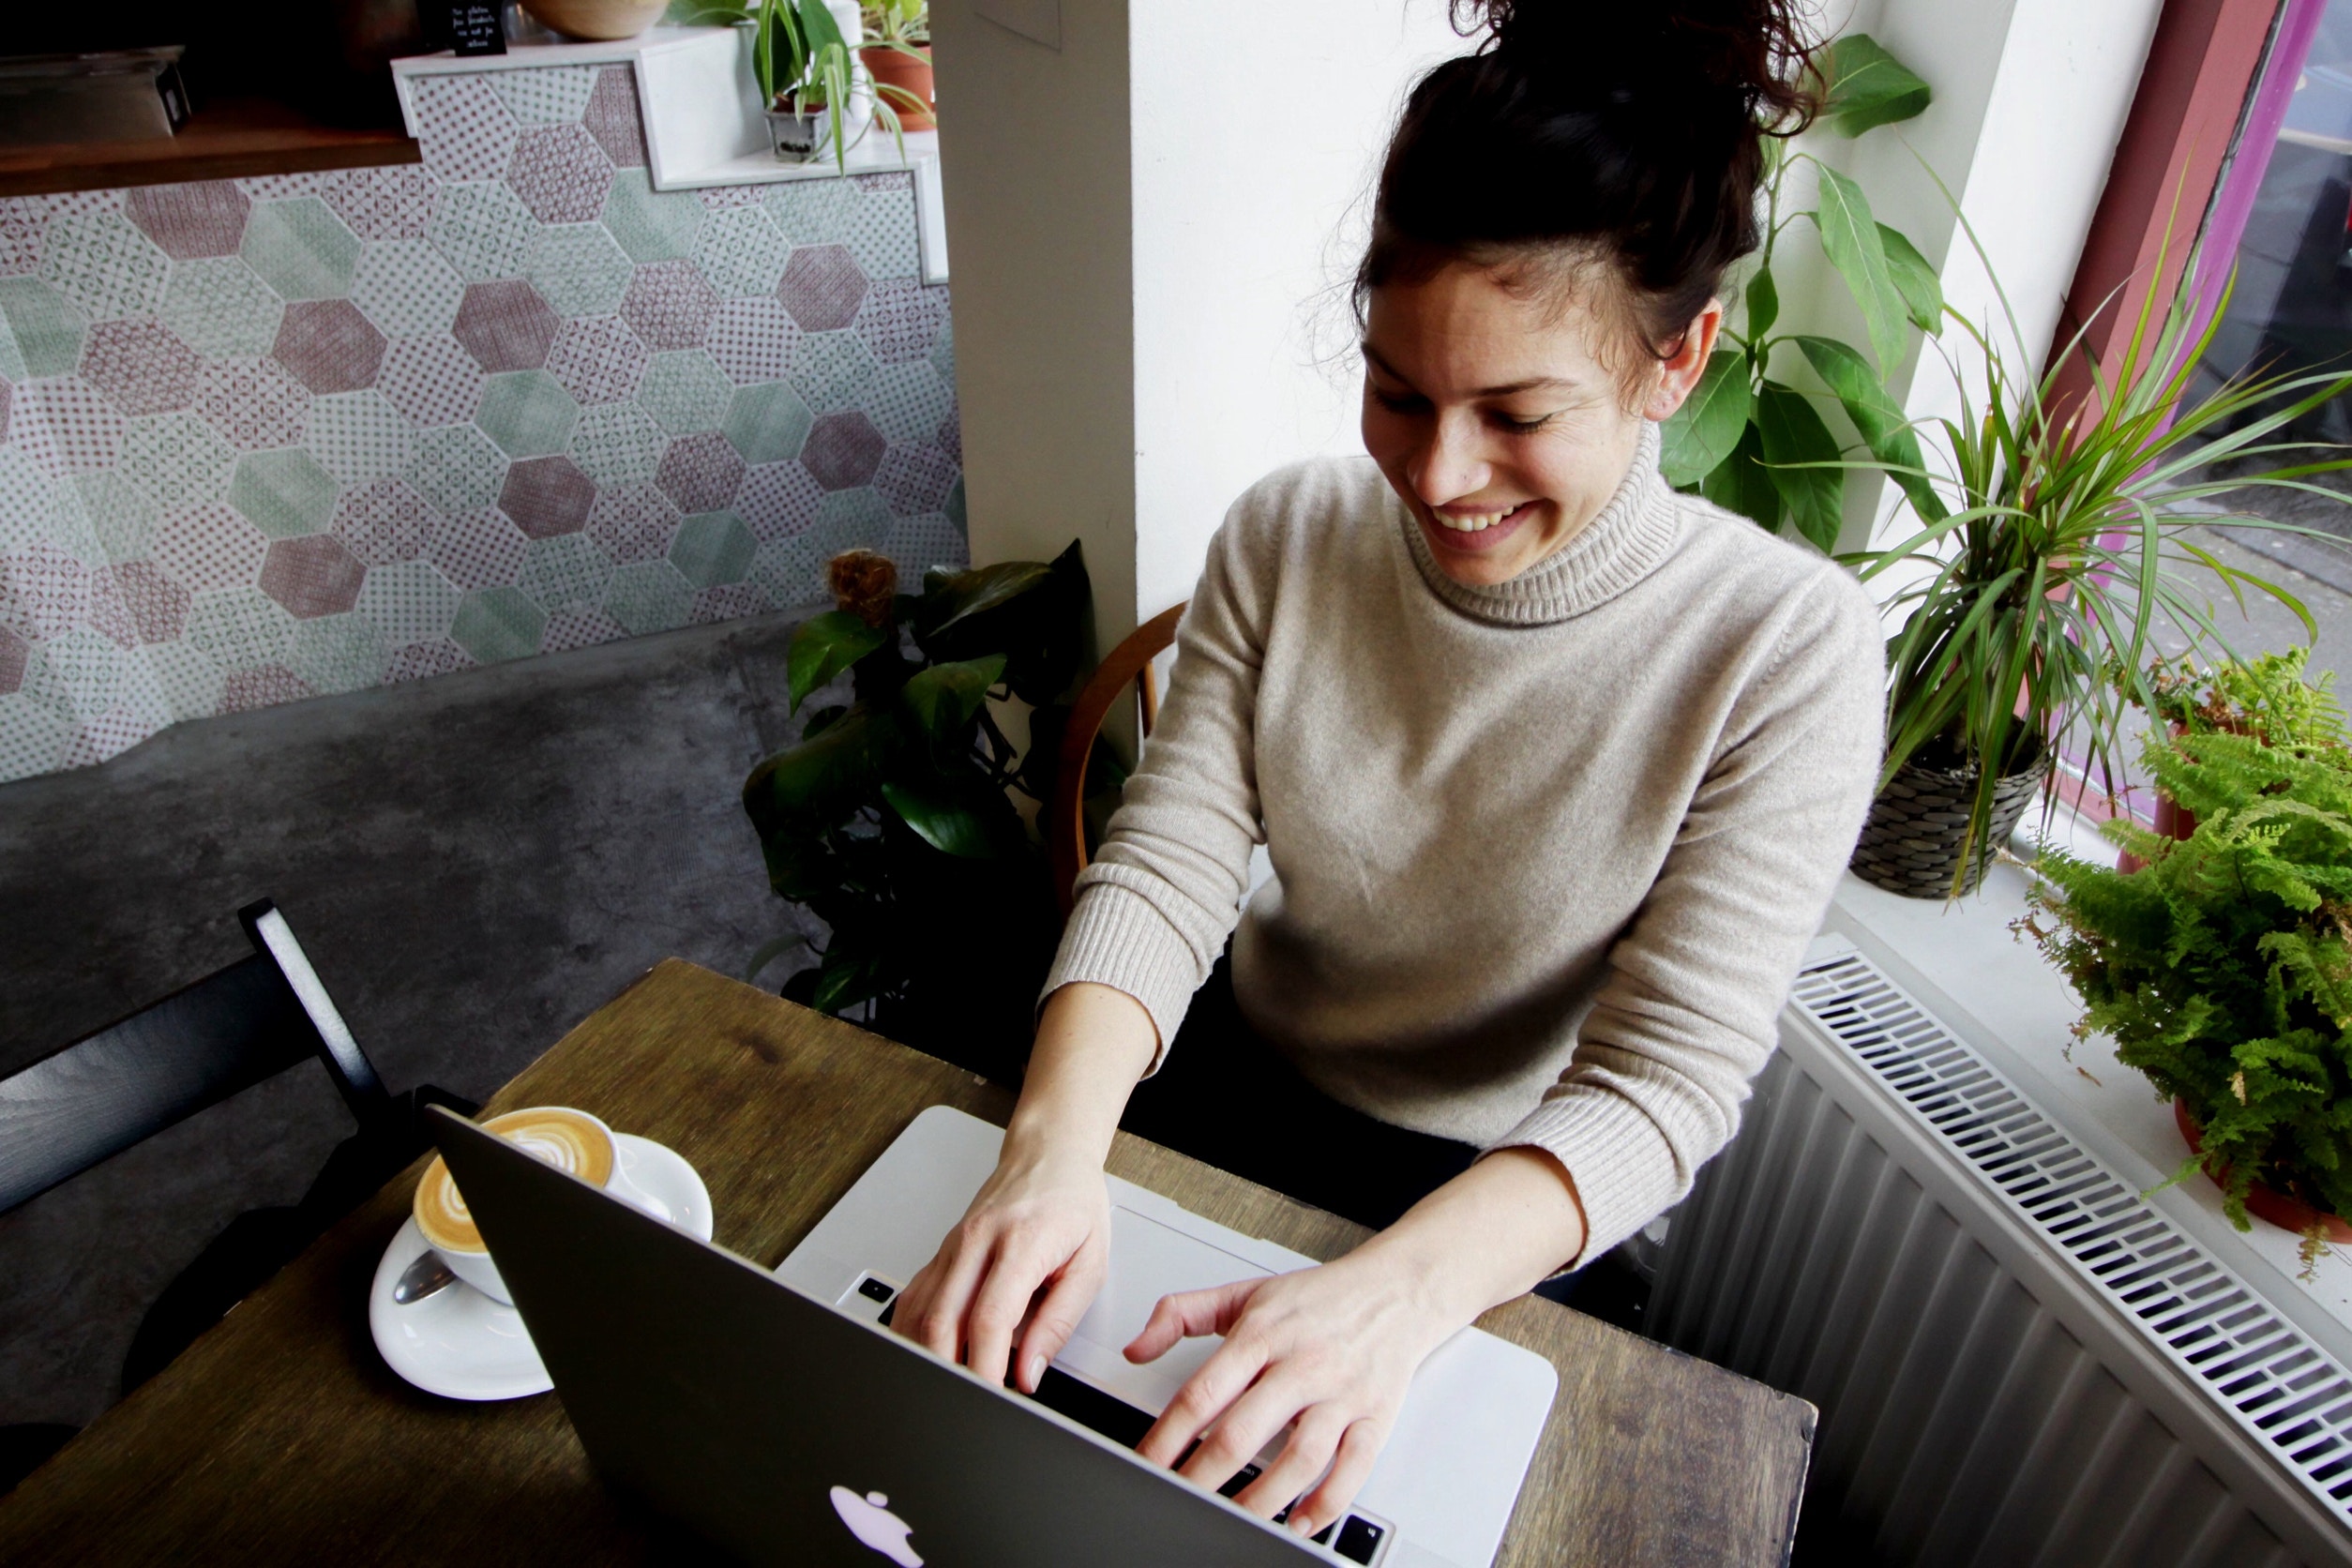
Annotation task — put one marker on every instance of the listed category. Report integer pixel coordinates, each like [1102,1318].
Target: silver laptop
[1443,1489]
[775,1425]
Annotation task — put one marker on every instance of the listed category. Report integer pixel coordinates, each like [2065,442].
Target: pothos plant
[1746,439]
[890,818]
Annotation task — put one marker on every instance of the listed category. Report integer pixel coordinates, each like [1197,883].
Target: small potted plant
[898,54]
[818,104]
[2222,967]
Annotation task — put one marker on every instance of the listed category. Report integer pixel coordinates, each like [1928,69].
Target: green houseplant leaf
[1884,430]
[1741,483]
[1922,292]
[945,698]
[1706,426]
[1868,87]
[1762,298]
[1850,237]
[957,826]
[823,647]
[1793,434]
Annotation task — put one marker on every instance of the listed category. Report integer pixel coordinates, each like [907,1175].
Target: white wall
[1253,170]
[1153,228]
[1035,169]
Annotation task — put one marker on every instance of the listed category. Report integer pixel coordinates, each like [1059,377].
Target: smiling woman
[1555,769]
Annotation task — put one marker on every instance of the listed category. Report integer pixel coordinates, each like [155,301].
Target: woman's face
[1497,418]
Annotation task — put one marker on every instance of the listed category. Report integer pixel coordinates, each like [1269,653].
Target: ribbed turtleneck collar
[1618,548]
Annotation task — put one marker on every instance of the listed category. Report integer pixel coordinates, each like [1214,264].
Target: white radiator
[2017,1360]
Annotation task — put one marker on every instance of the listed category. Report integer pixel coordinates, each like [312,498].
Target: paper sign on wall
[1039,20]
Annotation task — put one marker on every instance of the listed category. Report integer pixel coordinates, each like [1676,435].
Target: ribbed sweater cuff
[1115,938]
[1622,1166]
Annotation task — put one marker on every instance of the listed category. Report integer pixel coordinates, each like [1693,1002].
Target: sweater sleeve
[1688,1011]
[1164,890]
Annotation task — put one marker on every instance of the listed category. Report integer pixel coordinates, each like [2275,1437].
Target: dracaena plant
[890,819]
[2057,533]
[1746,439]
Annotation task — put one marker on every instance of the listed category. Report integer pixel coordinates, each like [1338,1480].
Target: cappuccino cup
[570,1141]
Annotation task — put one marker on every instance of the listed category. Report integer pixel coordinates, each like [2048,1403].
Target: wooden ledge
[229,139]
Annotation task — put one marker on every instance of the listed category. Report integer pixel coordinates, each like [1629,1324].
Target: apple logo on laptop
[871,1521]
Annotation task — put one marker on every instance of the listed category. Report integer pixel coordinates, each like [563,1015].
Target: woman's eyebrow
[1531,383]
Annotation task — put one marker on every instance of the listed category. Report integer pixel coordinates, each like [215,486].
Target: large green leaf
[944,822]
[823,646]
[1850,236]
[1033,613]
[822,779]
[951,598]
[1877,417]
[1922,292]
[1794,433]
[847,976]
[1741,484]
[1868,87]
[1702,432]
[943,698]
[1763,302]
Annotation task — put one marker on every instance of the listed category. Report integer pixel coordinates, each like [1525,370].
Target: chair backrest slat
[129,1082]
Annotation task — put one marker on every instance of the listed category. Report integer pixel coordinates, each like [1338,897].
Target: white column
[1152,222]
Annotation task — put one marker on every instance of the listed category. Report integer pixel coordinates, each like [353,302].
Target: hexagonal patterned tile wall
[271,438]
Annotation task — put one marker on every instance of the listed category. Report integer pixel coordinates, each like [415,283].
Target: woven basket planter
[1911,843]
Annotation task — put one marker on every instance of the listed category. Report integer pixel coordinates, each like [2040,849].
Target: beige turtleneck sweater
[1546,854]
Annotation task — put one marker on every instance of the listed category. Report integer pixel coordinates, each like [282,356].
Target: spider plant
[805,65]
[2052,549]
[897,21]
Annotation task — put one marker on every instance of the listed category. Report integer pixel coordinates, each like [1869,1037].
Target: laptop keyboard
[1355,1537]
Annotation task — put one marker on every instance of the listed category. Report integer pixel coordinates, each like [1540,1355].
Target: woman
[1555,769]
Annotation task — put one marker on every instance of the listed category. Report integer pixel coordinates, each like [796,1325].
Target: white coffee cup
[569,1139]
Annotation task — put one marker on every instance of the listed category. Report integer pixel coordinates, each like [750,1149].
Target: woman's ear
[1679,372]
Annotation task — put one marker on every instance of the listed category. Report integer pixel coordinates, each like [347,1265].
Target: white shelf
[701,105]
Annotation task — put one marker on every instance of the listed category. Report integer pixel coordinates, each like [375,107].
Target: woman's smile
[1476,527]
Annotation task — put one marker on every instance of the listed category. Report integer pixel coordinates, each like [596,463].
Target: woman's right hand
[1040,1223]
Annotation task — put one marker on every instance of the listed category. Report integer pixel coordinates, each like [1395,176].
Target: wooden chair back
[165,1063]
[1065,815]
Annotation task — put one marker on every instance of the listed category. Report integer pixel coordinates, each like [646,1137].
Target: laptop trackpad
[1148,1261]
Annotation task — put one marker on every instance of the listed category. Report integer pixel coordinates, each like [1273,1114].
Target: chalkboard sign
[472,26]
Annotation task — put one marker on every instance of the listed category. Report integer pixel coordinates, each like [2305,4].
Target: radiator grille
[2279,1386]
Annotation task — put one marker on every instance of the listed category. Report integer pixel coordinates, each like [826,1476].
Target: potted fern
[817,100]
[2222,967]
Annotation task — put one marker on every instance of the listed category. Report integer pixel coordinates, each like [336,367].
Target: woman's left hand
[1333,1349]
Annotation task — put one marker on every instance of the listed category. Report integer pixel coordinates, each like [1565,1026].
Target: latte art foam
[570,1141]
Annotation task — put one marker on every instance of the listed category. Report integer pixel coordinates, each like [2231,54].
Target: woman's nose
[1451,464]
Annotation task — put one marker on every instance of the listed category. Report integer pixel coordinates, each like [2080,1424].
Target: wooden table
[282,1436]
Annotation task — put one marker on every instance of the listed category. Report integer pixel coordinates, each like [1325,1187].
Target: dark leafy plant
[1754,444]
[2221,969]
[890,820]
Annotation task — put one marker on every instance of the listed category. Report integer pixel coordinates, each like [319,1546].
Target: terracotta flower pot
[598,18]
[2287,1213]
[889,68]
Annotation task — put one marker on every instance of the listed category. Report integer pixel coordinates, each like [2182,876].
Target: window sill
[1990,988]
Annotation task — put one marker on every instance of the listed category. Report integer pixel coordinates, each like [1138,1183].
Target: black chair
[196,1047]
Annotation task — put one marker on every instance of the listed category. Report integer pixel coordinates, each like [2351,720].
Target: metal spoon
[428,1275]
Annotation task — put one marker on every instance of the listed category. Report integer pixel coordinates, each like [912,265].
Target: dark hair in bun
[1627,132]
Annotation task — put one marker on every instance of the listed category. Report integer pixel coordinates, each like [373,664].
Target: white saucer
[462,1345]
